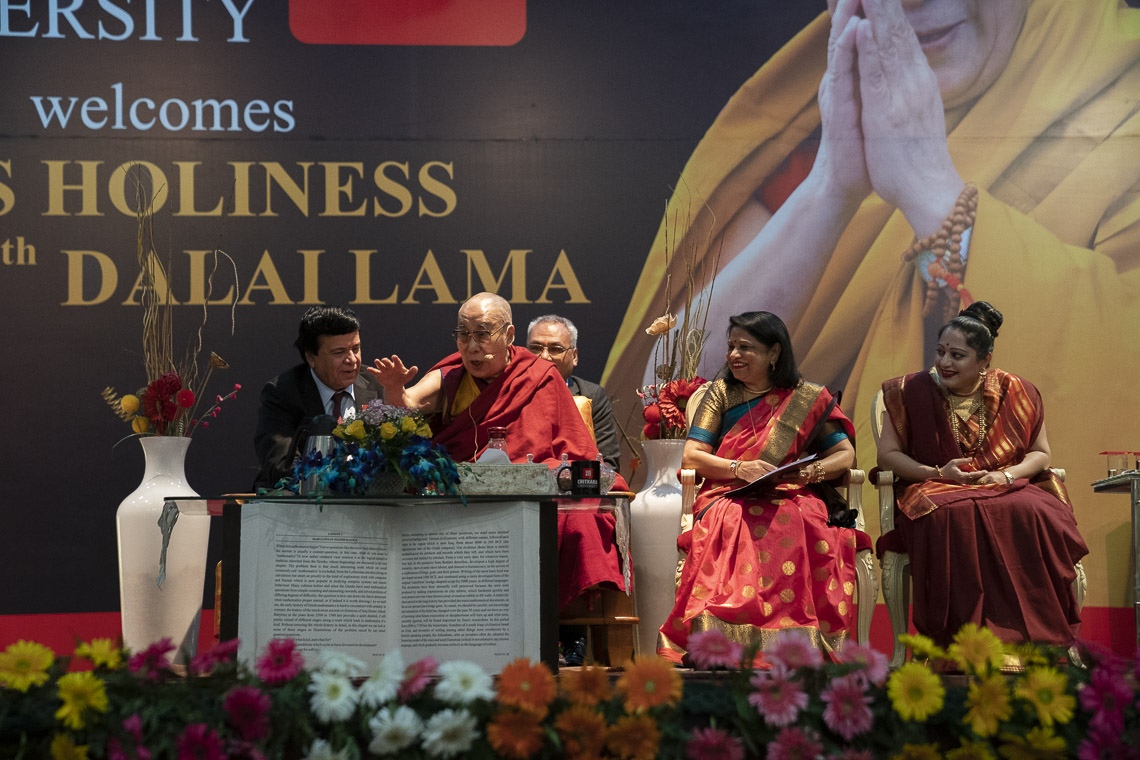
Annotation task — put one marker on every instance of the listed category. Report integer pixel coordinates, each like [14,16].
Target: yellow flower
[918,752]
[971,751]
[424,430]
[648,682]
[635,737]
[102,652]
[987,703]
[129,403]
[661,325]
[63,748]
[355,429]
[140,425]
[407,424]
[976,648]
[915,692]
[922,646]
[24,665]
[1038,744]
[80,692]
[387,431]
[1044,688]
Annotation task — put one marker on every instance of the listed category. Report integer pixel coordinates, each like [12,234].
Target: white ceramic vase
[151,611]
[655,521]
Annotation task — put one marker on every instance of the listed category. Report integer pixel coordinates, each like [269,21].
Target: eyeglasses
[480,336]
[554,352]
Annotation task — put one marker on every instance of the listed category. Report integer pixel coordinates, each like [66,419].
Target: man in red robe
[488,383]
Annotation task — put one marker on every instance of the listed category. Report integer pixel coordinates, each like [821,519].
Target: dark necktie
[337,401]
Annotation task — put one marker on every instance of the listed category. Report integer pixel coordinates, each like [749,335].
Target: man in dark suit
[555,338]
[327,381]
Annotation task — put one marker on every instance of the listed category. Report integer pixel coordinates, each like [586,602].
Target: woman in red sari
[989,528]
[769,561]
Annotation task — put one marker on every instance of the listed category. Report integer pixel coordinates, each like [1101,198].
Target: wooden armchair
[895,565]
[866,586]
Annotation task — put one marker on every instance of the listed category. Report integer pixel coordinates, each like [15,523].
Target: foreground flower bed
[102,702]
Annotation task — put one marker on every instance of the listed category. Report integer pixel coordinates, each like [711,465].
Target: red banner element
[408,22]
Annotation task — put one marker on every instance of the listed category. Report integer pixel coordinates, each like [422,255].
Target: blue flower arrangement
[381,442]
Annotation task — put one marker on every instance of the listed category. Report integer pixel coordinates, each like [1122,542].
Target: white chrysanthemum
[394,730]
[349,415]
[340,664]
[450,732]
[334,698]
[322,750]
[384,681]
[462,682]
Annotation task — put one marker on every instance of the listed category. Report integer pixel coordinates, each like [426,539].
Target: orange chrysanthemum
[587,686]
[582,731]
[649,682]
[634,737]
[527,686]
[513,733]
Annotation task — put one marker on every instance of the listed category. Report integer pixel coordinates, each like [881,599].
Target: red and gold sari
[1000,556]
[761,564]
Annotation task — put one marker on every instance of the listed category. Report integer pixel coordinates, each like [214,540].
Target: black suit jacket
[286,401]
[605,429]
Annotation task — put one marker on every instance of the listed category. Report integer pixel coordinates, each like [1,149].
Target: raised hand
[841,155]
[391,374]
[903,120]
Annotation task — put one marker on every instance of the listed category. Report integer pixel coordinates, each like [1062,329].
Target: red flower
[652,414]
[151,662]
[185,398]
[158,400]
[280,663]
[199,742]
[247,708]
[651,431]
[673,397]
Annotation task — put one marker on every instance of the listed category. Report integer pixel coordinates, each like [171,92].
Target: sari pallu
[1001,556]
[759,565]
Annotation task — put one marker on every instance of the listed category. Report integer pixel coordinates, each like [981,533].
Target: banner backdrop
[394,157]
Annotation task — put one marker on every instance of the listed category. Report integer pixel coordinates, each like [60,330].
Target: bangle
[820,474]
[733,465]
[937,471]
[1008,477]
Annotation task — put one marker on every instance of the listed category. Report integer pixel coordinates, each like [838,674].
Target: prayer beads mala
[946,265]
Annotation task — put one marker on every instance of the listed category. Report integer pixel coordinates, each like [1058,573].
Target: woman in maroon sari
[989,528]
[768,561]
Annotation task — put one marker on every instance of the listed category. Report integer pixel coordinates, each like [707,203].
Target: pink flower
[1106,695]
[795,744]
[777,698]
[280,663]
[198,742]
[848,711]
[133,726]
[205,662]
[115,749]
[416,678]
[247,709]
[1100,742]
[874,662]
[151,662]
[714,744]
[793,651]
[712,649]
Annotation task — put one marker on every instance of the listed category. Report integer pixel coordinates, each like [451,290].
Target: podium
[1129,482]
[473,578]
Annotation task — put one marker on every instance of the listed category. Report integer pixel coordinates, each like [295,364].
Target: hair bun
[984,312]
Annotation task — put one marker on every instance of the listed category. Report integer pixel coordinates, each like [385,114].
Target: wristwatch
[1008,477]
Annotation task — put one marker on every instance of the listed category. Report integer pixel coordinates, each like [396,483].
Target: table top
[1117,483]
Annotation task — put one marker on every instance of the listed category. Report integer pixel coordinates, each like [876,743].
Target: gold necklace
[976,404]
[757,393]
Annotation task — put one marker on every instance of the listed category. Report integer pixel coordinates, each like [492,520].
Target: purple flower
[712,649]
[713,744]
[777,698]
[1106,695]
[151,663]
[795,744]
[1100,744]
[848,711]
[247,709]
[205,662]
[874,662]
[199,742]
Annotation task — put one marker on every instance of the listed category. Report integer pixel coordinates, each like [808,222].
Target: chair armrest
[885,484]
[854,480]
[689,487]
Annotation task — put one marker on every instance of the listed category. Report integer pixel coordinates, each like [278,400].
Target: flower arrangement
[105,702]
[383,439]
[171,401]
[664,408]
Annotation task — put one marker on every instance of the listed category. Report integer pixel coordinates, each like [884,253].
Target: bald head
[490,304]
[489,315]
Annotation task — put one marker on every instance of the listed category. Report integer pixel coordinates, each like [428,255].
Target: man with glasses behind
[491,383]
[555,339]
